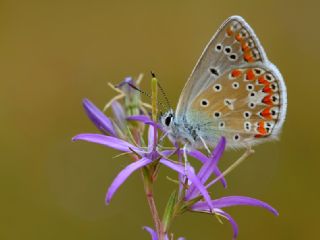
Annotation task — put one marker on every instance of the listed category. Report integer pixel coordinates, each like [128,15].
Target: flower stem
[152,205]
[148,173]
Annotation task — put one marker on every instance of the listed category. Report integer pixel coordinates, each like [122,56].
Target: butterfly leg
[205,145]
[163,137]
[185,156]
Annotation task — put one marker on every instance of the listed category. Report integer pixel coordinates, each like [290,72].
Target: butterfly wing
[234,44]
[234,91]
[247,105]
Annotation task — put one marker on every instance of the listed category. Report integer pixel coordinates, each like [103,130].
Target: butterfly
[233,91]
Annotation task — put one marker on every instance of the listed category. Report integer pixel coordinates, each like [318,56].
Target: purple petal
[139,118]
[102,122]
[152,123]
[144,119]
[208,167]
[125,82]
[211,166]
[233,223]
[152,232]
[167,153]
[118,113]
[124,174]
[108,141]
[191,176]
[152,138]
[198,155]
[218,173]
[218,150]
[234,201]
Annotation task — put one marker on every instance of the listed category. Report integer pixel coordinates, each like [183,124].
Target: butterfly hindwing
[245,104]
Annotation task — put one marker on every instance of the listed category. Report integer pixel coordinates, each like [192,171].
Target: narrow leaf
[169,210]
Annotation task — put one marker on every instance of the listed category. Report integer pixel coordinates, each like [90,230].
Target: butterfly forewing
[234,44]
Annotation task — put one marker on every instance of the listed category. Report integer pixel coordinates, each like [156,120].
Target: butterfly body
[233,91]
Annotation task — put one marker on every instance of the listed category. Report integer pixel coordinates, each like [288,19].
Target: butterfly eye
[167,121]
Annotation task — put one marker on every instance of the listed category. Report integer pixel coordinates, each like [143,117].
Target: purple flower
[146,155]
[193,193]
[102,122]
[208,168]
[154,234]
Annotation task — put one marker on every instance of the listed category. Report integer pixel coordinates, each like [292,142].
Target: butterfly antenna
[162,92]
[144,93]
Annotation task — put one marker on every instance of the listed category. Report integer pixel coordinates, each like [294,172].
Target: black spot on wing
[214,71]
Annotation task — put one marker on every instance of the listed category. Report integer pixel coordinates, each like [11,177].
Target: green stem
[154,87]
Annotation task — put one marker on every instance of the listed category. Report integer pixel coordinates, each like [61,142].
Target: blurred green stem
[149,172]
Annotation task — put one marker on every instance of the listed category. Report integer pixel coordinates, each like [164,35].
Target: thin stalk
[154,87]
[232,166]
[151,202]
[149,173]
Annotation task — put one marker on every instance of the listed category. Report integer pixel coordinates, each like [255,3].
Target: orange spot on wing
[236,73]
[238,37]
[261,129]
[248,57]
[267,100]
[229,31]
[258,136]
[267,88]
[244,46]
[266,113]
[262,80]
[250,74]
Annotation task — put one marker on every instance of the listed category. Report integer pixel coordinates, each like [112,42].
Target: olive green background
[54,53]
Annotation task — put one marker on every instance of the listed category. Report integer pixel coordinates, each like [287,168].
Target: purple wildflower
[145,155]
[208,168]
[126,136]
[154,236]
[102,122]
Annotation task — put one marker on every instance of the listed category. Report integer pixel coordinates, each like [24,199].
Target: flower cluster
[125,133]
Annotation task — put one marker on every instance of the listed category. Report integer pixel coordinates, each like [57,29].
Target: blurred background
[55,53]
